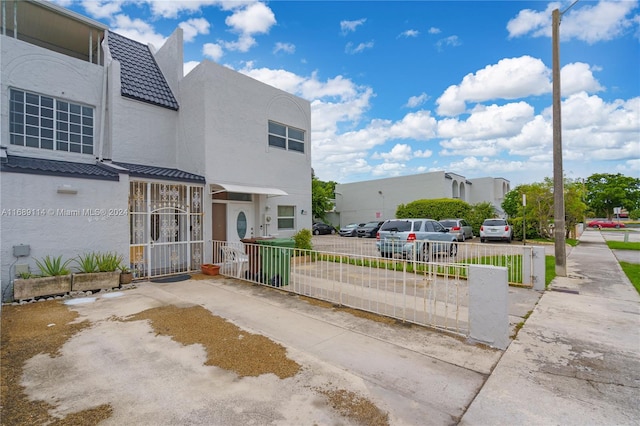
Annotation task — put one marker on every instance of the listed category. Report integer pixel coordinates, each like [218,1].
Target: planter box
[126,277]
[95,281]
[28,288]
[210,269]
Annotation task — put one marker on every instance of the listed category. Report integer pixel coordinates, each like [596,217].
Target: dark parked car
[350,230]
[369,229]
[320,228]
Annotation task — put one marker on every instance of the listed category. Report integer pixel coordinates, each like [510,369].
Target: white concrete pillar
[488,305]
[539,270]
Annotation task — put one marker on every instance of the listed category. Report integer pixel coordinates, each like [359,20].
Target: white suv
[496,229]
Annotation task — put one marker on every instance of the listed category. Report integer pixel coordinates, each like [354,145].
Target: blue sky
[399,88]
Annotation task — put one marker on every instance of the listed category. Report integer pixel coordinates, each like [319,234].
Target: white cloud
[213,51]
[256,18]
[488,122]
[434,30]
[578,77]
[361,47]
[409,33]
[99,9]
[194,27]
[188,66]
[284,47]
[605,20]
[451,41]
[415,101]
[351,26]
[137,29]
[510,78]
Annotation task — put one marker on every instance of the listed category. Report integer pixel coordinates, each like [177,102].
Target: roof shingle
[45,167]
[164,173]
[140,75]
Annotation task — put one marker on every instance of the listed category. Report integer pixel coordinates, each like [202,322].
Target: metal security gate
[166,233]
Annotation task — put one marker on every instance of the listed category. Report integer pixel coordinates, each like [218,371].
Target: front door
[240,222]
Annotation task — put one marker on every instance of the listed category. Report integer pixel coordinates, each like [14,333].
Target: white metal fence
[348,272]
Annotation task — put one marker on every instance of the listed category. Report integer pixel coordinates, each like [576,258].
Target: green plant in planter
[109,262]
[87,263]
[25,275]
[53,266]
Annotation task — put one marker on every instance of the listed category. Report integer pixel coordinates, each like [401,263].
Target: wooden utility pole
[558,178]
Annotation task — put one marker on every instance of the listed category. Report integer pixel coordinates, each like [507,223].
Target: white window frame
[291,138]
[46,122]
[284,216]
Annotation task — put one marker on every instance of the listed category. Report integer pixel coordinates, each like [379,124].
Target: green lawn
[633,273]
[621,245]
[550,270]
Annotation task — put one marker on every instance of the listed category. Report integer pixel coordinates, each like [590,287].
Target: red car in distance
[605,224]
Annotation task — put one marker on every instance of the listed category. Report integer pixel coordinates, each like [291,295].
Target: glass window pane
[33,142]
[62,136]
[32,120]
[63,146]
[277,129]
[74,138]
[75,109]
[33,131]
[33,109]
[296,146]
[87,149]
[74,118]
[33,99]
[286,211]
[75,128]
[47,123]
[277,141]
[87,130]
[17,107]
[87,112]
[46,112]
[46,102]
[285,223]
[87,121]
[47,144]
[63,116]
[63,106]
[46,133]
[296,134]
[17,140]
[63,126]
[73,147]
[17,95]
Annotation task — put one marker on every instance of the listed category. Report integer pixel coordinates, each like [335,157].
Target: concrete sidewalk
[577,359]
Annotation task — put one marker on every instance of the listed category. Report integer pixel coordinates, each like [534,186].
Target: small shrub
[303,239]
[87,263]
[53,266]
[108,262]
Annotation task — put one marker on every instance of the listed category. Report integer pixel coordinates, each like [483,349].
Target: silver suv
[415,239]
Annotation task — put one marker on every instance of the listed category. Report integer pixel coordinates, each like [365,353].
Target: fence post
[527,267]
[539,270]
[488,305]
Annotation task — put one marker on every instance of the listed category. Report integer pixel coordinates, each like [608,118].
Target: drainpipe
[103,112]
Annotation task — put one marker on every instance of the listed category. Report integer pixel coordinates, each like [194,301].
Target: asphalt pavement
[576,361]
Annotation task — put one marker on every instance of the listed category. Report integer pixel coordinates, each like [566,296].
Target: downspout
[103,112]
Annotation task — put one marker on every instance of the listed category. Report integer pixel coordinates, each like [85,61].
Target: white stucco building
[106,146]
[378,199]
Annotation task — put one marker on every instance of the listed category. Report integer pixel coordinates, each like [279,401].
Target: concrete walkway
[577,359]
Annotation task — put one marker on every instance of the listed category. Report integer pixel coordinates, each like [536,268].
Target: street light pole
[558,178]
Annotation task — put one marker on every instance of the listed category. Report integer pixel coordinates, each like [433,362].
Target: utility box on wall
[22,250]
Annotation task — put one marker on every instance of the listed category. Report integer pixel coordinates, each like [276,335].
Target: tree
[322,194]
[605,191]
[538,213]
